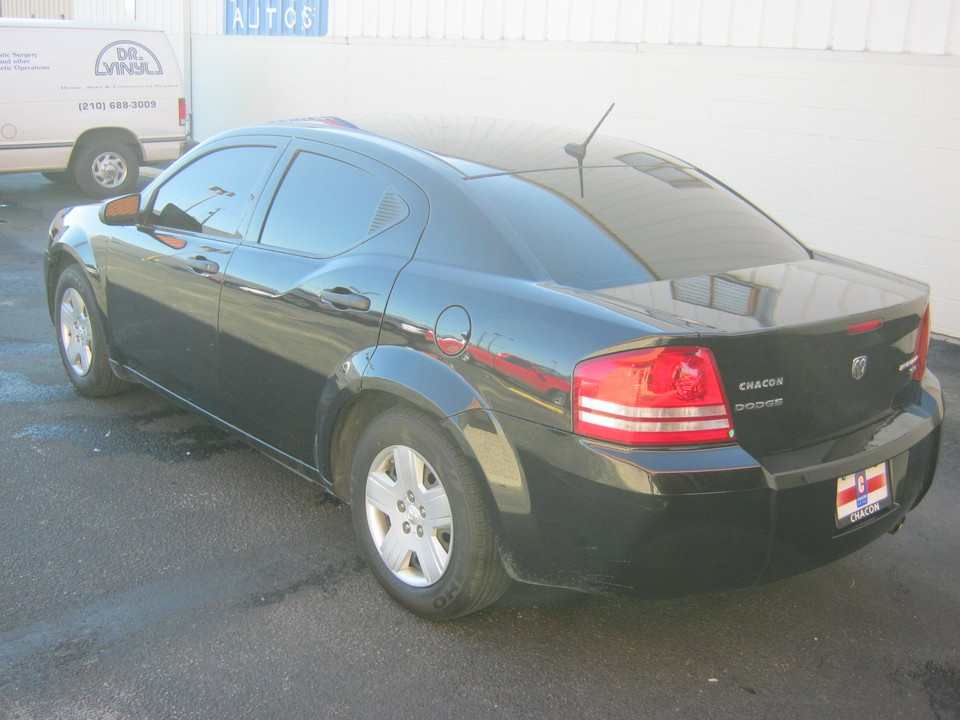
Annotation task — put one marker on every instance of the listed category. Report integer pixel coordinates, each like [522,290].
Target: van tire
[60,177]
[106,168]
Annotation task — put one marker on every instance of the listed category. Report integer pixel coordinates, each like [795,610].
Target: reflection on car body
[513,361]
[524,374]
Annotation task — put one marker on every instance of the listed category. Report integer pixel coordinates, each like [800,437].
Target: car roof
[480,147]
[672,219]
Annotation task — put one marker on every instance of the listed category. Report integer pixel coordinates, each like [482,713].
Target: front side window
[212,194]
[324,207]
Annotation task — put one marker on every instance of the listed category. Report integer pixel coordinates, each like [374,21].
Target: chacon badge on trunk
[859,367]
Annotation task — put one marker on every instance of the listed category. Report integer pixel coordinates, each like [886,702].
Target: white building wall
[839,117]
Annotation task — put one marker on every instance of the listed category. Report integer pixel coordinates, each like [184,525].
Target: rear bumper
[595,517]
[155,151]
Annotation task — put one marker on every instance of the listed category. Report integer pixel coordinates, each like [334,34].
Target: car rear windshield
[635,223]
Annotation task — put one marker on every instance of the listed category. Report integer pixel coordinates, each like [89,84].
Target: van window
[325,206]
[212,194]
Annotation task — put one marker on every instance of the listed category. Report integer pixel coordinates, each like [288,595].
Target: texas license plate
[862,494]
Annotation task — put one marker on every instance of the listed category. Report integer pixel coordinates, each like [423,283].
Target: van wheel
[105,168]
[421,520]
[81,337]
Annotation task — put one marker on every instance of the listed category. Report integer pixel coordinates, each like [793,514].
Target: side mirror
[123,210]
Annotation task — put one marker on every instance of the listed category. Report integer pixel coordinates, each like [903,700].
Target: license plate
[862,494]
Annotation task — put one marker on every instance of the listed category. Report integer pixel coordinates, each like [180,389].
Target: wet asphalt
[152,566]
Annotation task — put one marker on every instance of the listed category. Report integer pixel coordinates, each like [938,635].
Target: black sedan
[516,355]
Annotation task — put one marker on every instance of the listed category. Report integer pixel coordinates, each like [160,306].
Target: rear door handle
[201,265]
[345,299]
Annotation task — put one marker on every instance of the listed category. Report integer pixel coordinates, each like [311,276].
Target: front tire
[421,520]
[81,337]
[105,168]
[60,177]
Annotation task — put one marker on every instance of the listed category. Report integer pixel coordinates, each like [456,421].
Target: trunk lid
[807,351]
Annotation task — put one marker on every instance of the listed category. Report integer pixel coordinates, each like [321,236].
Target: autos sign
[276,17]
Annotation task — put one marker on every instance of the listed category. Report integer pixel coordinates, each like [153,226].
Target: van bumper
[156,151]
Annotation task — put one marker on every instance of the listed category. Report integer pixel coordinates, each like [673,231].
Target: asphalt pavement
[153,567]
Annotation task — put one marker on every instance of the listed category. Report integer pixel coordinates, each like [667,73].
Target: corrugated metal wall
[166,14]
[45,9]
[104,11]
[899,26]
[917,26]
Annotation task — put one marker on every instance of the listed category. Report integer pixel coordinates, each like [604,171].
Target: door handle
[201,265]
[345,299]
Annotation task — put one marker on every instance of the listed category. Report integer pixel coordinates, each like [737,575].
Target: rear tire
[421,520]
[60,177]
[81,337]
[105,168]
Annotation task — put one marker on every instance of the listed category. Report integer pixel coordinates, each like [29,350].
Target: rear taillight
[182,106]
[657,396]
[923,344]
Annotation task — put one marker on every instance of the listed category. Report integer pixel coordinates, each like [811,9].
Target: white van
[88,103]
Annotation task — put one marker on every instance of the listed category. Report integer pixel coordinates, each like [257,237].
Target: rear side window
[212,194]
[572,247]
[325,206]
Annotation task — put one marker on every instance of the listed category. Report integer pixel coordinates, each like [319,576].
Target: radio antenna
[578,151]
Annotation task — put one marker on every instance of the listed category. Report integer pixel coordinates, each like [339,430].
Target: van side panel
[61,82]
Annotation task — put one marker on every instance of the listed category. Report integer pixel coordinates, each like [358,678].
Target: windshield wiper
[578,151]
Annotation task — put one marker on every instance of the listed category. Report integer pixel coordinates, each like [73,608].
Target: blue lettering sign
[275,17]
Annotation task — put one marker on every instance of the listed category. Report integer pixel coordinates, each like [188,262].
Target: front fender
[68,245]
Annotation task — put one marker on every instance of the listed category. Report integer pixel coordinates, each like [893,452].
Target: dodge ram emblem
[859,367]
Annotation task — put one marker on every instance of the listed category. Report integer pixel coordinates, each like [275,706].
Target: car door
[311,291]
[164,276]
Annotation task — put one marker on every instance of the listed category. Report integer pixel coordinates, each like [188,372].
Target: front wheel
[421,520]
[106,168]
[81,337]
